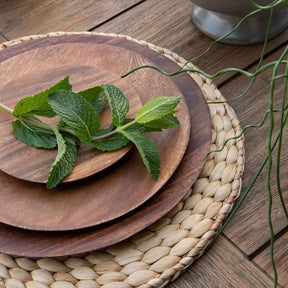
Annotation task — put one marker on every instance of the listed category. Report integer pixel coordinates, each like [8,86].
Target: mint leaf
[38,104]
[137,127]
[65,159]
[167,122]
[34,136]
[96,97]
[148,151]
[157,108]
[118,102]
[76,112]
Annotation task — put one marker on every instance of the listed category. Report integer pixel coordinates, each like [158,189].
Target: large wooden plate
[24,242]
[106,195]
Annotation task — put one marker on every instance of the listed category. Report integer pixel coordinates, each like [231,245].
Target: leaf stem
[6,109]
[117,130]
[270,162]
[105,136]
[271,5]
[283,107]
[35,122]
[209,76]
[127,125]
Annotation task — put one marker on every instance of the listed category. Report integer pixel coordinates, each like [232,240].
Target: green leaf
[38,104]
[96,97]
[148,151]
[118,102]
[141,128]
[76,112]
[65,159]
[167,122]
[157,108]
[137,127]
[34,136]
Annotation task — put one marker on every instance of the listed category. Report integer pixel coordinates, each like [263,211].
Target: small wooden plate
[114,191]
[38,162]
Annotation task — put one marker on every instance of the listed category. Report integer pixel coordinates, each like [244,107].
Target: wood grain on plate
[38,243]
[102,197]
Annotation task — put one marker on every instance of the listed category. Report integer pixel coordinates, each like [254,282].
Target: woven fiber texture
[159,254]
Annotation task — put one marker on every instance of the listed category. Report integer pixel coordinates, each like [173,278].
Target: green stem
[27,119]
[6,109]
[268,180]
[222,37]
[243,130]
[267,7]
[280,145]
[117,130]
[36,123]
[127,125]
[105,136]
[67,130]
[270,162]
[259,9]
[258,66]
[209,76]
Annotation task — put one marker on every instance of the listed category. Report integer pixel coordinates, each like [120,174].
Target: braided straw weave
[159,254]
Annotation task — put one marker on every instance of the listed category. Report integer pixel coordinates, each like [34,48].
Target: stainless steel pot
[218,17]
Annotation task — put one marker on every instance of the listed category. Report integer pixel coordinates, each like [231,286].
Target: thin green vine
[283,110]
[283,107]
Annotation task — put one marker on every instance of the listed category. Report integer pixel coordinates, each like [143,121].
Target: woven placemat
[159,254]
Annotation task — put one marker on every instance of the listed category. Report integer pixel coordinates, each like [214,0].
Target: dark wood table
[240,256]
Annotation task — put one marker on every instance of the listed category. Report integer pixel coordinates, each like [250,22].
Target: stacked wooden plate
[108,196]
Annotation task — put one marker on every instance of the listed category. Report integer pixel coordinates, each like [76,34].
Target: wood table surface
[240,256]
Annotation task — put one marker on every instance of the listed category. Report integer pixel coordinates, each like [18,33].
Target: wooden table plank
[280,258]
[223,266]
[170,26]
[22,18]
[249,228]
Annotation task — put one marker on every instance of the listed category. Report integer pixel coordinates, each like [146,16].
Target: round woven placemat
[160,253]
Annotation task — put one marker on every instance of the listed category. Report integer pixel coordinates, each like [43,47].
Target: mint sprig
[79,122]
